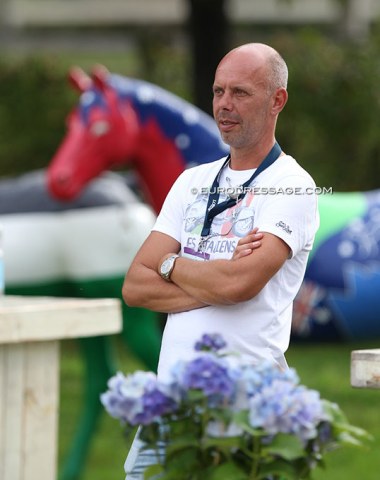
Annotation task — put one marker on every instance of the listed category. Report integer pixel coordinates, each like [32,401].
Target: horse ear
[79,79]
[99,76]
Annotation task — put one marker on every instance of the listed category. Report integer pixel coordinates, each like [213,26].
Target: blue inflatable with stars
[340,296]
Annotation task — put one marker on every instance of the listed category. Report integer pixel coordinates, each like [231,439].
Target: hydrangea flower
[232,396]
[256,377]
[251,379]
[138,398]
[281,407]
[210,342]
[209,374]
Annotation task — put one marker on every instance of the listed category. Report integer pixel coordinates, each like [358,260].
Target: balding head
[249,92]
[259,57]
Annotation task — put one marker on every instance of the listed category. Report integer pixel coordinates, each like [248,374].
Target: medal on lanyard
[214,208]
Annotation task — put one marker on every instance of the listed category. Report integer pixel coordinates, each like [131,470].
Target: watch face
[165,267]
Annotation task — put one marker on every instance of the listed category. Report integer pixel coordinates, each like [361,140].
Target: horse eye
[99,128]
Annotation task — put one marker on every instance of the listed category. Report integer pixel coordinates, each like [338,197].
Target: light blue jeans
[137,460]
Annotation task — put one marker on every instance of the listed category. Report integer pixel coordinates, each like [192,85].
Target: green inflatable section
[336,212]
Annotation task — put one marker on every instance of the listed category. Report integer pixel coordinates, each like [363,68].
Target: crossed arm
[194,284]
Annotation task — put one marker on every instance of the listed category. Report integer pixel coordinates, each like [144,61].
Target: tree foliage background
[331,122]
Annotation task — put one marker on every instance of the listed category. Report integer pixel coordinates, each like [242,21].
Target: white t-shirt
[281,201]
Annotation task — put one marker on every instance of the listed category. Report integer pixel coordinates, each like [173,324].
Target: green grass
[325,367]
[109,448]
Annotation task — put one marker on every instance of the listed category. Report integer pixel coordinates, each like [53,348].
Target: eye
[217,91]
[99,128]
[240,93]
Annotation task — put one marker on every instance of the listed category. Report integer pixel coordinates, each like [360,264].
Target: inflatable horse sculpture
[339,298]
[122,121]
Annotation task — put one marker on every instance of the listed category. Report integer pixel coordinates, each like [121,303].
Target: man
[199,264]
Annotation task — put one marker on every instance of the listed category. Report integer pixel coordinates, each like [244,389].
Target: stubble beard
[236,139]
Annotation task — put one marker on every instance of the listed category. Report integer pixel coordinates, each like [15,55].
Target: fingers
[247,244]
[252,237]
[244,250]
[247,251]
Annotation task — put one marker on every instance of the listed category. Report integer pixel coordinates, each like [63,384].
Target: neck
[158,163]
[248,158]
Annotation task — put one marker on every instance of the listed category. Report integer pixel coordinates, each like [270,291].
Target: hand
[247,244]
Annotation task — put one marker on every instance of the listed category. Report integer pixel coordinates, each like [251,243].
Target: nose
[223,101]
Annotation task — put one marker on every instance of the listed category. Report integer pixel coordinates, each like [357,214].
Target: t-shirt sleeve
[170,218]
[290,211]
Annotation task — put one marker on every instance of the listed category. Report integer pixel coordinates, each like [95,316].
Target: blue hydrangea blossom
[209,374]
[217,394]
[210,342]
[282,407]
[138,398]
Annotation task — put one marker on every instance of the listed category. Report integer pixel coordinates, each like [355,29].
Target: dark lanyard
[213,208]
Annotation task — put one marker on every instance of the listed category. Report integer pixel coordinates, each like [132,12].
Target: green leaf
[242,421]
[347,438]
[182,460]
[152,471]
[184,427]
[222,442]
[174,475]
[149,434]
[289,447]
[182,442]
[226,471]
[195,395]
[356,431]
[285,470]
[333,411]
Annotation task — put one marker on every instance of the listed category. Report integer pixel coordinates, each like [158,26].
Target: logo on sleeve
[285,227]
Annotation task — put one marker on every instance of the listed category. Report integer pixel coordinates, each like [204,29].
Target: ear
[279,100]
[99,77]
[79,79]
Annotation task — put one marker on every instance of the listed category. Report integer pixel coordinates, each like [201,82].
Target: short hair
[278,71]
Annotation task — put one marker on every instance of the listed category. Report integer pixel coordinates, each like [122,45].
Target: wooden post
[365,368]
[30,330]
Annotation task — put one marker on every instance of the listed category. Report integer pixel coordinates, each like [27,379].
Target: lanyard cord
[213,208]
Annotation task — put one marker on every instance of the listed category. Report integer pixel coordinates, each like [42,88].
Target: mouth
[226,125]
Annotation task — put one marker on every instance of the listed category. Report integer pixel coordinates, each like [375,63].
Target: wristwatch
[167,266]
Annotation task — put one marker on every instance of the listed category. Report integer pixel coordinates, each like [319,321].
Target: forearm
[209,282]
[144,287]
[226,282]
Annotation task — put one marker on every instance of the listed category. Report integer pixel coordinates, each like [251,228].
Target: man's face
[241,101]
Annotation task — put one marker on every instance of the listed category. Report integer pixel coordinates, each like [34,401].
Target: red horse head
[102,132]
